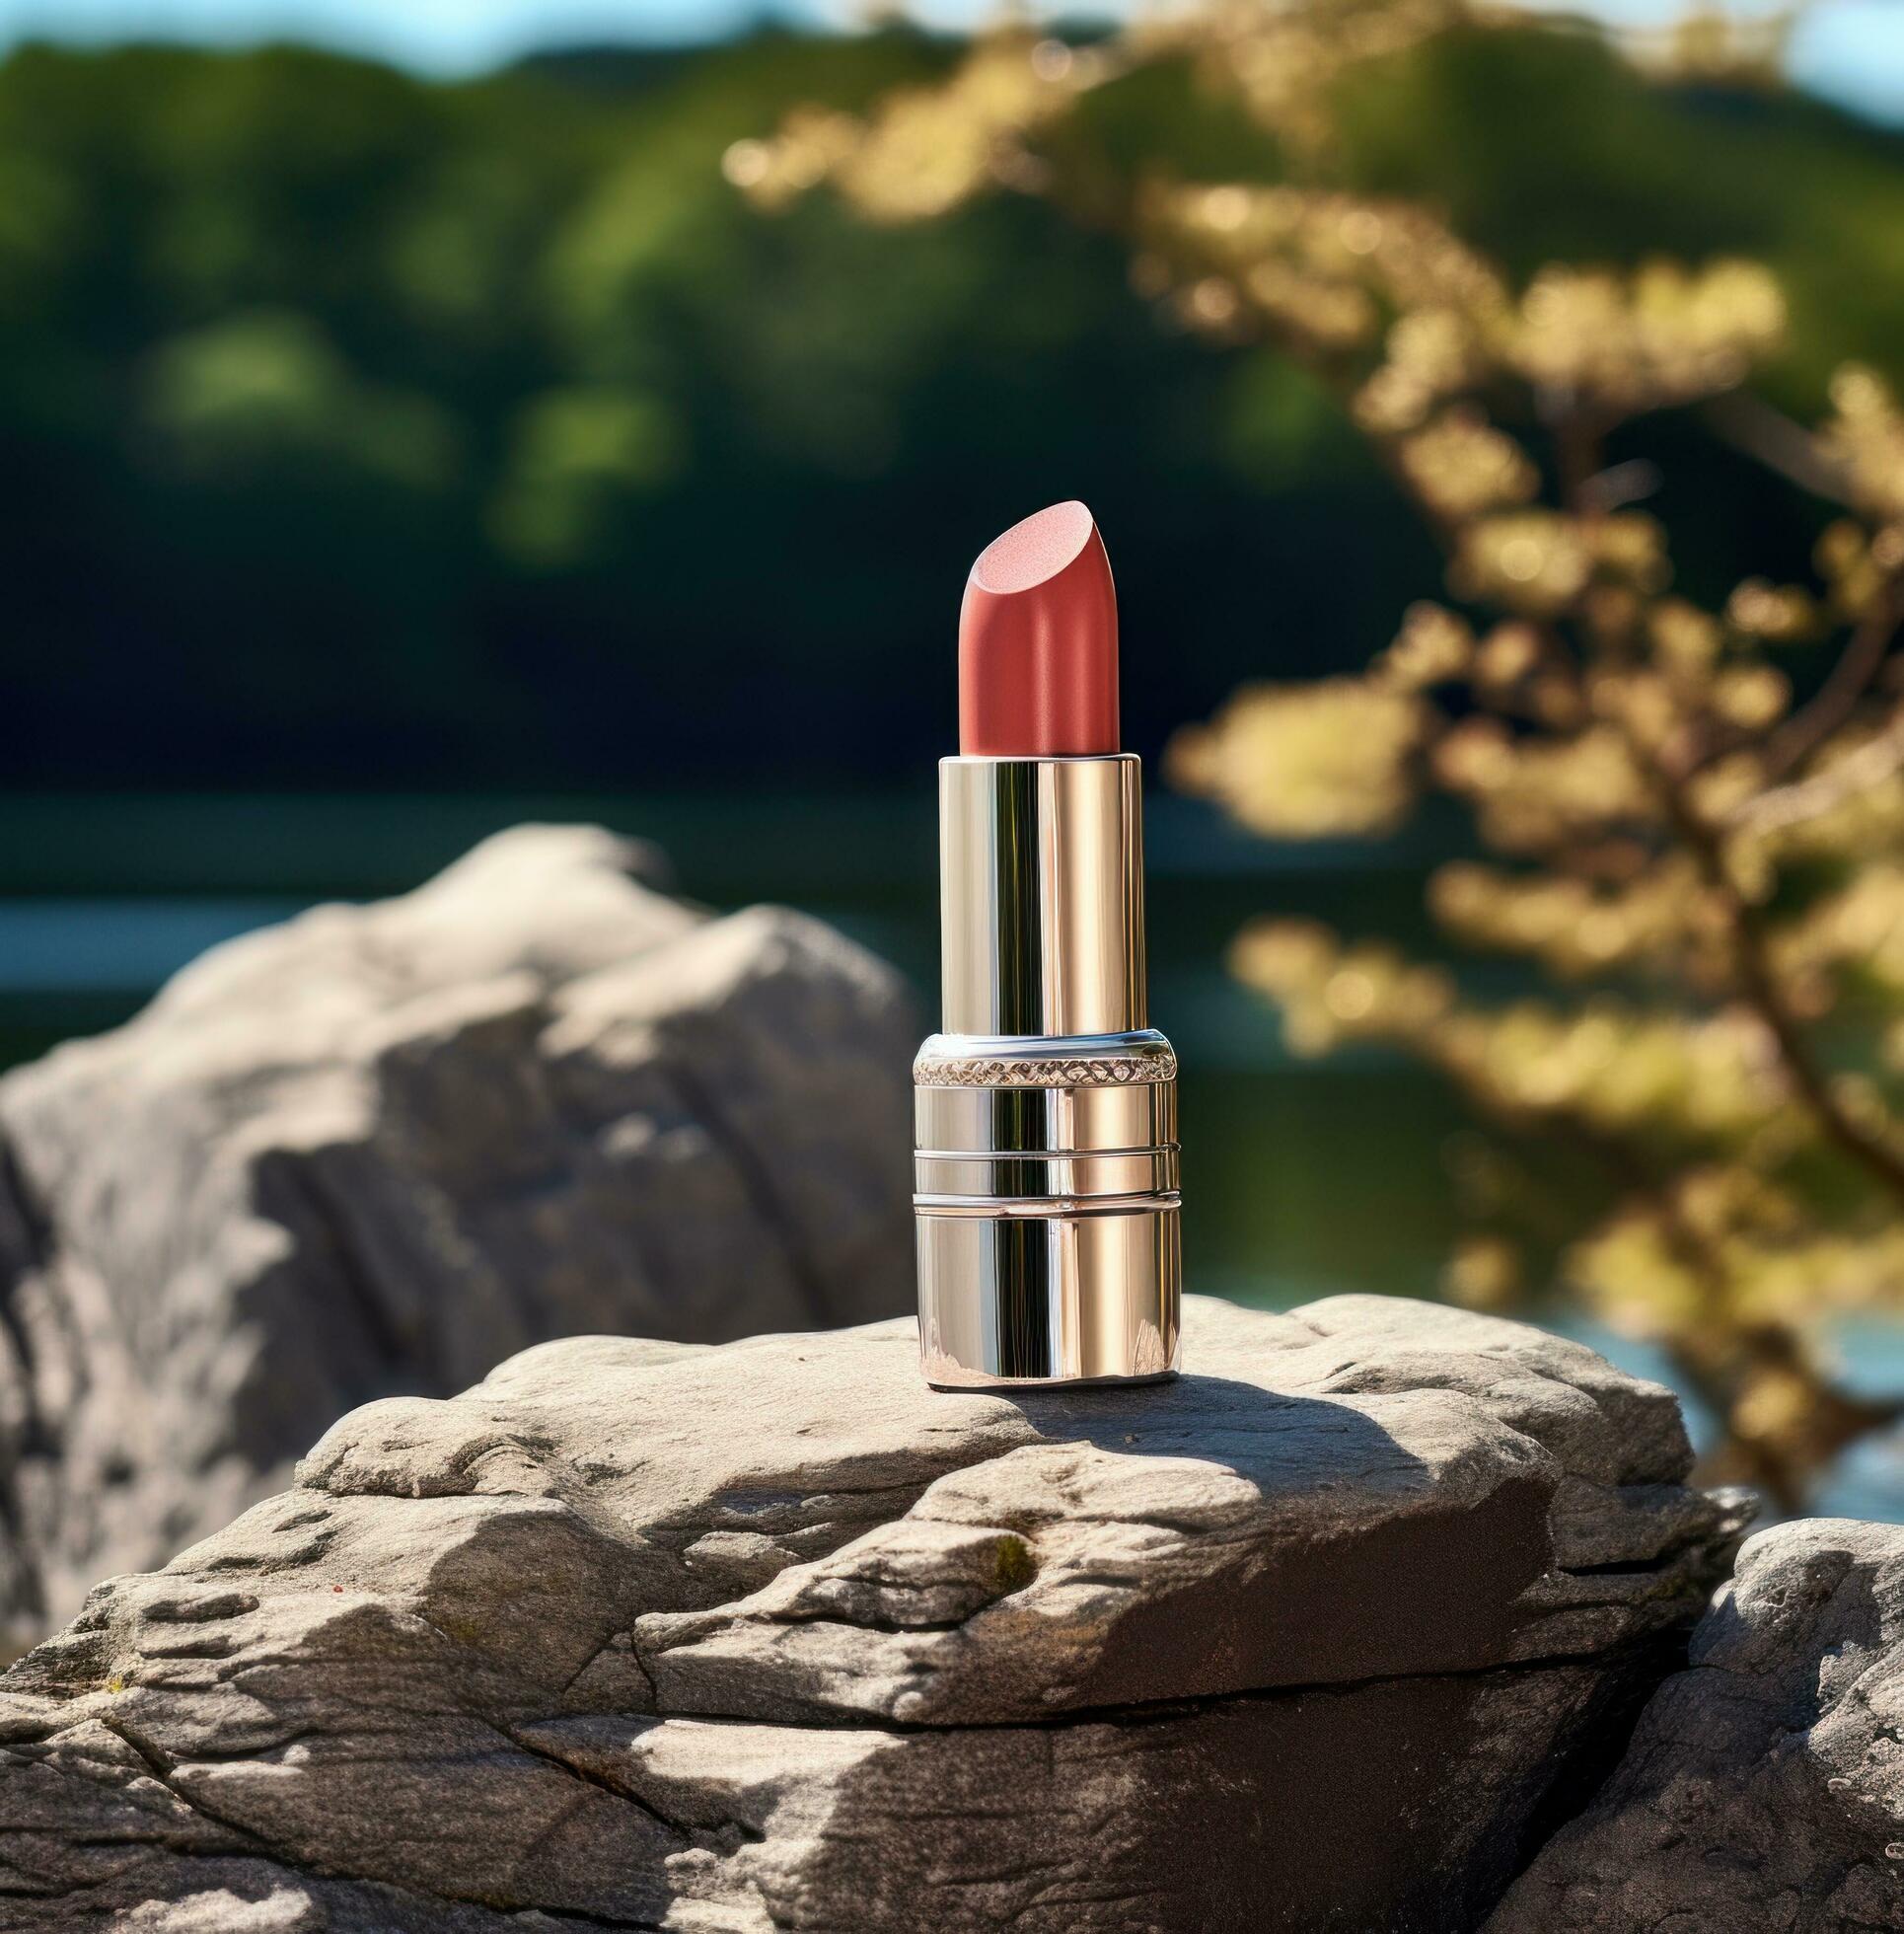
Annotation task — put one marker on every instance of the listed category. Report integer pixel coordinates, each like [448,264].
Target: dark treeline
[357,431]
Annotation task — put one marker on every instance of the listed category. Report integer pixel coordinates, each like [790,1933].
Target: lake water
[1302,1179]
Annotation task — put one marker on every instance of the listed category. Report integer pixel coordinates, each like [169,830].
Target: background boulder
[377,1148]
[1764,1788]
[1322,1635]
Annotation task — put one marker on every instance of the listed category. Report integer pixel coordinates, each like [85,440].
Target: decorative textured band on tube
[1109,1071]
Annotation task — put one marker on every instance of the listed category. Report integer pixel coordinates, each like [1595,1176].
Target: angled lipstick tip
[1038,643]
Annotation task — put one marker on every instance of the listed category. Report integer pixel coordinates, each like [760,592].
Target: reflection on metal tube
[1046,1114]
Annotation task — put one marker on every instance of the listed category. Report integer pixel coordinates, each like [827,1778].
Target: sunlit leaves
[1485,1272]
[1613,1069]
[1855,934]
[1575,925]
[1279,61]
[1459,466]
[1324,269]
[1318,761]
[1532,793]
[926,149]
[1618,344]
[1532,561]
[1857,566]
[1865,438]
[1779,614]
[1329,995]
[1433,646]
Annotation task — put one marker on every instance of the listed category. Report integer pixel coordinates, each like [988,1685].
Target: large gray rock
[379,1149]
[770,1636]
[1764,1788]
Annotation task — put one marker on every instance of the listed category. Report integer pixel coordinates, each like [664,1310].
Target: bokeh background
[407,426]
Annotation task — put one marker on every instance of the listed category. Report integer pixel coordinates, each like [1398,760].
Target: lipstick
[1045,1113]
[1038,643]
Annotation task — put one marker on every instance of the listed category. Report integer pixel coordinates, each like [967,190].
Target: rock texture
[1764,1788]
[769,1636]
[379,1149]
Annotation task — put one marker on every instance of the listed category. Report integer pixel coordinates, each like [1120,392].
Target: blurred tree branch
[1695,840]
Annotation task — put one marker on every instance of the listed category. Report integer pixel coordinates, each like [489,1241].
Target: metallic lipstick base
[1048,1216]
[1066,1300]
[1046,1209]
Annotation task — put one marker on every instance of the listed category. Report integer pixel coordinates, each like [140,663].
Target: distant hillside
[362,431]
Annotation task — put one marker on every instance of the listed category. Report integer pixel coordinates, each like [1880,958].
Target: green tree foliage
[358,430]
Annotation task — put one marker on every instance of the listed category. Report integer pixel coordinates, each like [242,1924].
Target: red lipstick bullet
[1038,643]
[1045,1158]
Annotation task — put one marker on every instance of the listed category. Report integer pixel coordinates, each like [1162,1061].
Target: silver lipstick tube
[1045,1115]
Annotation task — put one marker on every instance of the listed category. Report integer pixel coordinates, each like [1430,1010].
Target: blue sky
[1849,51]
